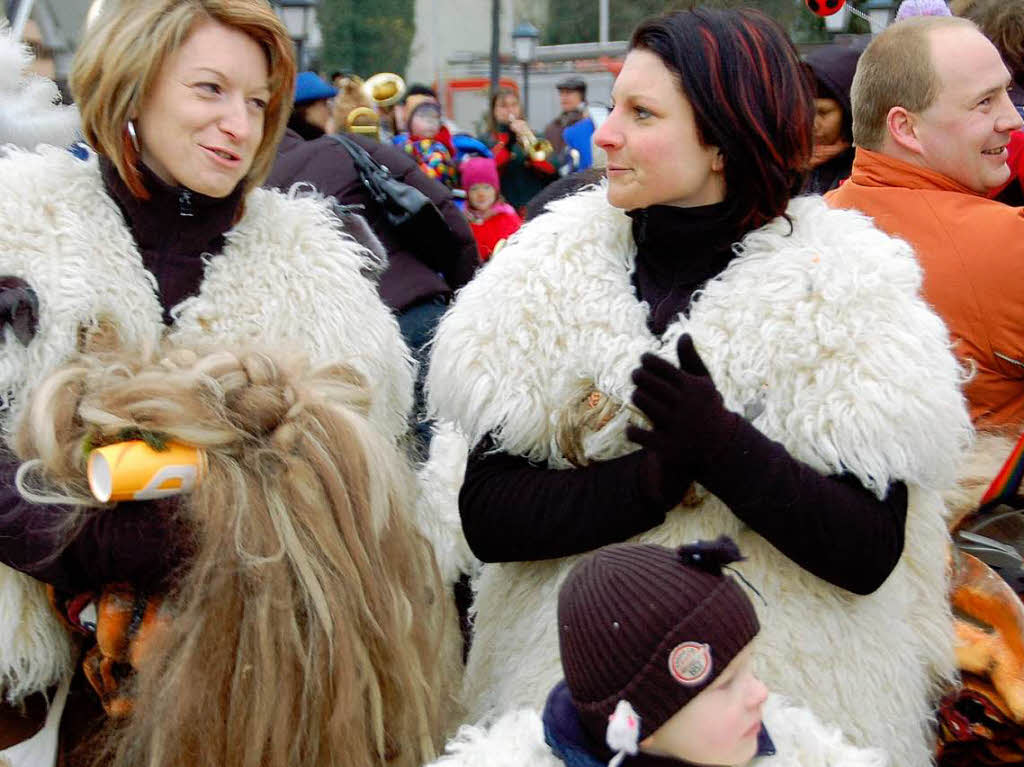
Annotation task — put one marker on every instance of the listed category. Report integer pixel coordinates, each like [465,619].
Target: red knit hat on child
[479,170]
[649,625]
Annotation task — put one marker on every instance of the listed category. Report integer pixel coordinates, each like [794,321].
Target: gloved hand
[689,423]
[19,308]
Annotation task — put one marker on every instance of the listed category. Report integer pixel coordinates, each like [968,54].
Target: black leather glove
[19,308]
[689,423]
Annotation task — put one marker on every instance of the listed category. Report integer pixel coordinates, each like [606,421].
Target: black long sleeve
[513,510]
[138,542]
[831,526]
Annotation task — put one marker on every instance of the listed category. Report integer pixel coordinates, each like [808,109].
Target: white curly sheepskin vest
[822,333]
[516,739]
[287,278]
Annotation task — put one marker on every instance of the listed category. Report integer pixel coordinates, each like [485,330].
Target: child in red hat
[491,218]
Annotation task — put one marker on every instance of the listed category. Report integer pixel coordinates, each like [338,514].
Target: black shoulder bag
[409,212]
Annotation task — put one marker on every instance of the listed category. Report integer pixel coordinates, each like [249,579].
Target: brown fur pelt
[980,466]
[592,410]
[307,629]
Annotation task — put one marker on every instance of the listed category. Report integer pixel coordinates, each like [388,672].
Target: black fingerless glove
[689,423]
[19,309]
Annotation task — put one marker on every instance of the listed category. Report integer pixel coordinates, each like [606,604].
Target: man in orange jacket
[931,123]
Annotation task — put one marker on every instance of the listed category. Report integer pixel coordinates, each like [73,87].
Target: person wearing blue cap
[312,108]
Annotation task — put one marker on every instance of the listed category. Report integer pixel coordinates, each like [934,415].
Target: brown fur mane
[307,628]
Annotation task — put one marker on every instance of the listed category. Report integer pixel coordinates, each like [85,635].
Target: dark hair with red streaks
[750,98]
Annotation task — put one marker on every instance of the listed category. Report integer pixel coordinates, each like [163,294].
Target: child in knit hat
[656,646]
[490,217]
[423,144]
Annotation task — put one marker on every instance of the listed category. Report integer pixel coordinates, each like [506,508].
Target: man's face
[569,100]
[965,131]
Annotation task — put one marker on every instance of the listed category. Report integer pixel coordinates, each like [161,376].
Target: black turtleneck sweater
[513,510]
[137,542]
[173,229]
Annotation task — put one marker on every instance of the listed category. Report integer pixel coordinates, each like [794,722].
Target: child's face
[721,724]
[482,196]
[425,123]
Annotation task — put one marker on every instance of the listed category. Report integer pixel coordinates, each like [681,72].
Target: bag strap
[369,169]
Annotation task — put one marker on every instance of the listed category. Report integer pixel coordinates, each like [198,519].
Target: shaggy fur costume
[30,110]
[516,739]
[824,332]
[287,277]
[437,506]
[35,651]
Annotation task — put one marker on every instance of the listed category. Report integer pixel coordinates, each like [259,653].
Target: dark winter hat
[649,625]
[833,67]
[572,83]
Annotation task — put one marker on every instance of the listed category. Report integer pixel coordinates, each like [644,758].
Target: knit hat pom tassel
[910,8]
[623,732]
[711,556]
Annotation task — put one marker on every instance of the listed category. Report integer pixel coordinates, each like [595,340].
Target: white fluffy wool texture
[437,505]
[30,109]
[35,648]
[288,279]
[826,330]
[516,739]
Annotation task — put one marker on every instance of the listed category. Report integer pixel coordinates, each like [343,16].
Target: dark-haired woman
[831,69]
[689,351]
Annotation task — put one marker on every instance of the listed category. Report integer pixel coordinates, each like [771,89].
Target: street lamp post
[524,44]
[298,17]
[880,13]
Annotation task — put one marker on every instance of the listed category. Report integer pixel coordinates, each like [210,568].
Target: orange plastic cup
[133,471]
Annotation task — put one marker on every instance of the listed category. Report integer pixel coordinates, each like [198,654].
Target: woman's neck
[678,250]
[174,217]
[173,229]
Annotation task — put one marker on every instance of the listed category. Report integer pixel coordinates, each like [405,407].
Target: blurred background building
[447,43]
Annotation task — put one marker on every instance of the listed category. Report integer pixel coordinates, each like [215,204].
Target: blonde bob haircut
[896,70]
[124,50]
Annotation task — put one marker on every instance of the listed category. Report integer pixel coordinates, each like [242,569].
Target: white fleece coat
[287,279]
[819,335]
[516,739]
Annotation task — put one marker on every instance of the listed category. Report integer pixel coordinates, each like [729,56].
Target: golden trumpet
[364,121]
[384,88]
[537,149]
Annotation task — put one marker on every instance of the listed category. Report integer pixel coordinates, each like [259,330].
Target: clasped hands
[689,422]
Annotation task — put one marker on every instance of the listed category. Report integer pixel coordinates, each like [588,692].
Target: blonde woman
[163,232]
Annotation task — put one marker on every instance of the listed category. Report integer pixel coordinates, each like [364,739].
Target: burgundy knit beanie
[650,625]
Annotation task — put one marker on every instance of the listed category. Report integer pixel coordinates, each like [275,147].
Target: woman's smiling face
[202,122]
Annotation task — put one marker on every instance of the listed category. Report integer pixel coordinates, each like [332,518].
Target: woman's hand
[690,425]
[519,127]
[19,309]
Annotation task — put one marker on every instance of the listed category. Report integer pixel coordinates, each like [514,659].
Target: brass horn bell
[384,88]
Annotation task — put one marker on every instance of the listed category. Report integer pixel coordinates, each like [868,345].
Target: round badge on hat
[690,663]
